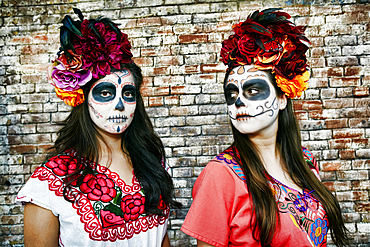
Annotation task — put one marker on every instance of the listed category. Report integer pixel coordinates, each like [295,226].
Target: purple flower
[67,80]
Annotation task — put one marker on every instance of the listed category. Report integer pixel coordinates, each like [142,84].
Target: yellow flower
[72,98]
[293,88]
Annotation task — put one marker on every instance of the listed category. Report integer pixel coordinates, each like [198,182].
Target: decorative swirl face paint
[251,99]
[112,102]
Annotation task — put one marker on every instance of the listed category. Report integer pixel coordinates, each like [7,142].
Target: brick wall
[177,44]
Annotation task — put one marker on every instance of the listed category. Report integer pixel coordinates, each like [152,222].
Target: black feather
[254,15]
[69,23]
[79,13]
[65,40]
[270,10]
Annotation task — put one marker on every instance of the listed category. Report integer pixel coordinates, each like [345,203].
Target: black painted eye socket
[104,92]
[256,89]
[231,93]
[129,93]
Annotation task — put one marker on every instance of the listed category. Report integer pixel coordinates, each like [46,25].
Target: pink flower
[67,80]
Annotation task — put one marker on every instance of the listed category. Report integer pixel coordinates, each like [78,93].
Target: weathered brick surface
[177,44]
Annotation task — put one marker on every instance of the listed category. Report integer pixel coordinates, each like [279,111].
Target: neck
[109,143]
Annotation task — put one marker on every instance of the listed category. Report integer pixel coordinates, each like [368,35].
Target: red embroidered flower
[98,187]
[162,205]
[132,206]
[62,165]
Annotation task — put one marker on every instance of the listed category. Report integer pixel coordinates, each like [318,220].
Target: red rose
[228,46]
[98,187]
[62,165]
[132,206]
[248,47]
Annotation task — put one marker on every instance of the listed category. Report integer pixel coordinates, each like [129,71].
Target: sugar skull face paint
[251,99]
[112,102]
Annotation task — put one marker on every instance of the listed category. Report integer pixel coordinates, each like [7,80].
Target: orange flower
[72,98]
[294,87]
[73,63]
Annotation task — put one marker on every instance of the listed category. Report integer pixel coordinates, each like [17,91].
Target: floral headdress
[88,50]
[270,42]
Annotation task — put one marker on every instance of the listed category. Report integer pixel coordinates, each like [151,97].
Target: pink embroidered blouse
[222,208]
[105,211]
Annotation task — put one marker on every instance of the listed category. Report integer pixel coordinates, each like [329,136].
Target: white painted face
[251,100]
[112,102]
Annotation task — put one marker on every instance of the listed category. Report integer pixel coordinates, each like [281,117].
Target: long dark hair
[143,146]
[288,143]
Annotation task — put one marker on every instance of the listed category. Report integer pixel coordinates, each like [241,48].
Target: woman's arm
[166,241]
[41,227]
[203,244]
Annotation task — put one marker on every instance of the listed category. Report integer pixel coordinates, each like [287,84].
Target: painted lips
[243,116]
[117,119]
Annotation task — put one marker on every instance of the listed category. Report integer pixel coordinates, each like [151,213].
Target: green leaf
[114,209]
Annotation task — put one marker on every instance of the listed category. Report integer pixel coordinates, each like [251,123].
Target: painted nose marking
[239,103]
[120,106]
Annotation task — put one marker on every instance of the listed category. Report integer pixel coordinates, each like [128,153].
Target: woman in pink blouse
[265,189]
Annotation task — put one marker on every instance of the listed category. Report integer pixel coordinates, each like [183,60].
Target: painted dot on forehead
[241,70]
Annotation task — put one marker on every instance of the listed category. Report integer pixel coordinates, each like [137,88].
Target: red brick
[345,82]
[155,91]
[44,148]
[347,154]
[301,115]
[155,101]
[360,185]
[336,165]
[190,69]
[360,143]
[178,89]
[336,123]
[151,21]
[143,61]
[212,68]
[338,103]
[337,185]
[340,143]
[365,102]
[352,196]
[308,105]
[158,51]
[316,62]
[348,133]
[353,71]
[171,100]
[24,149]
[169,60]
[192,38]
[362,206]
[161,70]
[359,122]
[361,91]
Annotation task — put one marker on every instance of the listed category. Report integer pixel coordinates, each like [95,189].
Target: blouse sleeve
[211,211]
[36,192]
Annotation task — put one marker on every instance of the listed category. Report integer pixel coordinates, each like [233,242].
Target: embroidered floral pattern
[108,207]
[306,212]
[319,230]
